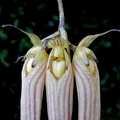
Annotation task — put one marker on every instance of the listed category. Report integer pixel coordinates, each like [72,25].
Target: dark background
[41,17]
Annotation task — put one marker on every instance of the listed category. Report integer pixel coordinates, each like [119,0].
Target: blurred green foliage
[41,17]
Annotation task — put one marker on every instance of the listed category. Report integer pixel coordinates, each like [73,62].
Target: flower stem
[61,15]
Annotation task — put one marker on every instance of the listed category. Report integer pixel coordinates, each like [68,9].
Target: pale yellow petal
[58,68]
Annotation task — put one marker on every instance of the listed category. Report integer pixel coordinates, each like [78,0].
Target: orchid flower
[56,71]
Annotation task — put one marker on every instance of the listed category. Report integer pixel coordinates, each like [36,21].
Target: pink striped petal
[32,91]
[60,93]
[88,88]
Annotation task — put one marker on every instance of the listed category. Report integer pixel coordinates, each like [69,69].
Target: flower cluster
[56,71]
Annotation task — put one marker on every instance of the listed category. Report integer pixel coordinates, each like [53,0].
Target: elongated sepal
[32,91]
[59,91]
[33,80]
[59,95]
[88,88]
[34,38]
[87,81]
[86,41]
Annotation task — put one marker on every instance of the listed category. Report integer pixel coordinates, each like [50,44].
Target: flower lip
[58,66]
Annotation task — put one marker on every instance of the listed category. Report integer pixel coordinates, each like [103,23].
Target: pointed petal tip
[10,25]
[7,25]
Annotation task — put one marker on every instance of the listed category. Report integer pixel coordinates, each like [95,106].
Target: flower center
[58,63]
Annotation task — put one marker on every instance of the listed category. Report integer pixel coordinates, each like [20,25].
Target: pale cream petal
[60,93]
[33,80]
[32,91]
[88,88]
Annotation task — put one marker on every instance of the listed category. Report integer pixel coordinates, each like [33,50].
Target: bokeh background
[41,17]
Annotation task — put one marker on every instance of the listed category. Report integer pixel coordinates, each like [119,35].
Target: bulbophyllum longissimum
[56,71]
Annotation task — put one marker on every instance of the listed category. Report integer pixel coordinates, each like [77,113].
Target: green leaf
[105,43]
[24,44]
[41,6]
[109,110]
[90,25]
[12,15]
[16,22]
[104,80]
[3,35]
[20,10]
[55,17]
[50,23]
[3,56]
[28,29]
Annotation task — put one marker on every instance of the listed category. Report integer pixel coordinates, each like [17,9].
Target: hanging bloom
[33,78]
[56,71]
[59,82]
[87,81]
